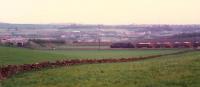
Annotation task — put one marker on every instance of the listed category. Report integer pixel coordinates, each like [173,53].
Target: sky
[101,11]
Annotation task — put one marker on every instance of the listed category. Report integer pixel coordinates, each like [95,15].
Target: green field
[181,70]
[21,56]
[76,46]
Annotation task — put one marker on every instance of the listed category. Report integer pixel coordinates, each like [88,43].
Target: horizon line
[71,23]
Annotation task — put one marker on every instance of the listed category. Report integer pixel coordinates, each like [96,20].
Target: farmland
[169,71]
[181,70]
[26,56]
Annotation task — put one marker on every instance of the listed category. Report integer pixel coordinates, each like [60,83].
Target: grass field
[21,56]
[71,46]
[182,70]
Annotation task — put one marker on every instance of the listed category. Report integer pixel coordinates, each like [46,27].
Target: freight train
[156,45]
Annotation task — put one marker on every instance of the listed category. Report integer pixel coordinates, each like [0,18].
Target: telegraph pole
[99,37]
[99,44]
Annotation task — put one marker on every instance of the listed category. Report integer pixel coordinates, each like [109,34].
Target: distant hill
[27,26]
[187,35]
[181,37]
[142,27]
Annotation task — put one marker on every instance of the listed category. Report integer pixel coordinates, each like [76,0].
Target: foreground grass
[21,56]
[181,70]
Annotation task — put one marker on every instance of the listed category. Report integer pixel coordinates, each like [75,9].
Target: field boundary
[10,70]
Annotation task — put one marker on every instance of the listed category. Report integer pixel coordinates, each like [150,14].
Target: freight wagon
[177,44]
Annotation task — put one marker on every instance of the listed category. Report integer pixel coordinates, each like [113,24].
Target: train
[176,44]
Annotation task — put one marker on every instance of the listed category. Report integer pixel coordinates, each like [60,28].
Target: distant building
[17,41]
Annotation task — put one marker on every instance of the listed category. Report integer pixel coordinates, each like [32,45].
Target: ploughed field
[26,56]
[181,70]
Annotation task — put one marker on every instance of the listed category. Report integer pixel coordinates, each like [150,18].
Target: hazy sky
[101,11]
